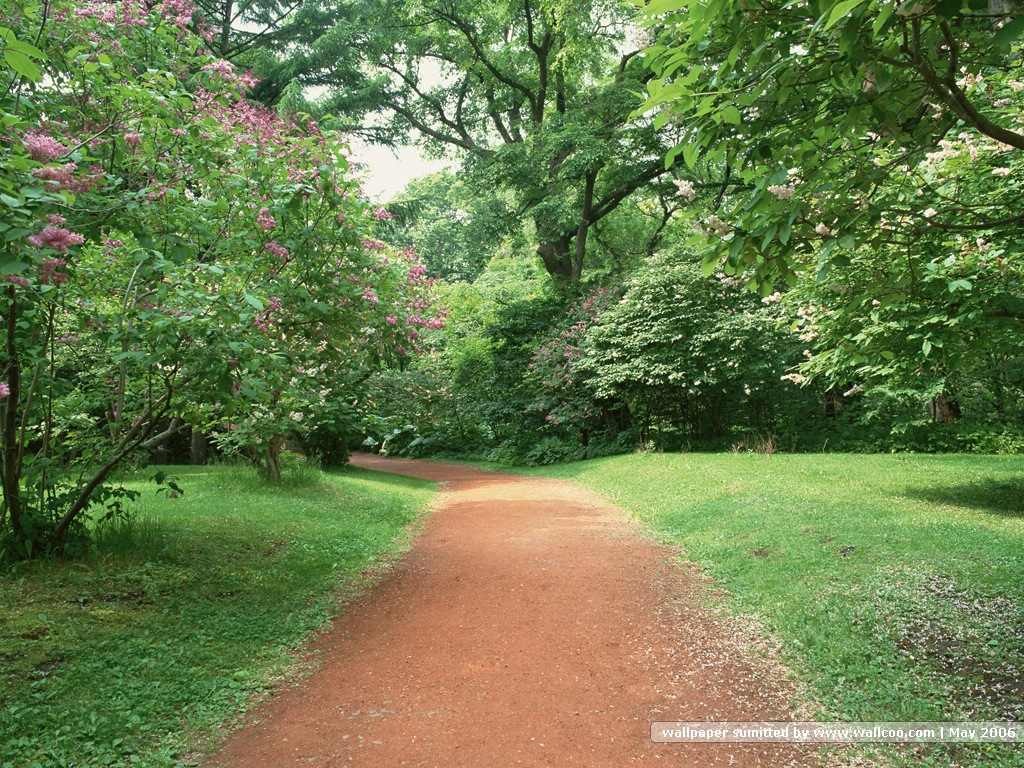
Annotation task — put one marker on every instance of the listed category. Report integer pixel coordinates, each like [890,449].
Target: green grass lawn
[894,583]
[138,653]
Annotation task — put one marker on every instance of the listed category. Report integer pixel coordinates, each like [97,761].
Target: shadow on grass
[1000,497]
[386,478]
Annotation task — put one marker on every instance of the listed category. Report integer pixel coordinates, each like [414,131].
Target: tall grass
[185,611]
[894,583]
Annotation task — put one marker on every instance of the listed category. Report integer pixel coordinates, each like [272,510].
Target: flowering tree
[170,253]
[567,403]
[810,121]
[870,153]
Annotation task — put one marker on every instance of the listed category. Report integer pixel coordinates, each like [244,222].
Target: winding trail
[530,624]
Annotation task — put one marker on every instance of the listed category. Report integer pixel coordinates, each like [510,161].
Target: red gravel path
[530,624]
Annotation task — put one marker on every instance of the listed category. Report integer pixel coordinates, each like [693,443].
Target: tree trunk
[225,30]
[11,448]
[272,455]
[557,257]
[199,449]
[581,232]
[943,410]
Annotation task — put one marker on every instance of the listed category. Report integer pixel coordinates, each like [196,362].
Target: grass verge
[185,613]
[894,583]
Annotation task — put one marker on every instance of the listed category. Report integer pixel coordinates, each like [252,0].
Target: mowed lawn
[178,620]
[895,584]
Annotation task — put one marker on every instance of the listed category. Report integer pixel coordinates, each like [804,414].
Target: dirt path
[530,624]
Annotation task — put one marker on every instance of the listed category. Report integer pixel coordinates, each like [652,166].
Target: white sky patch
[387,171]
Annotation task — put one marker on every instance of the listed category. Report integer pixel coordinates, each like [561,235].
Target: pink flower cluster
[63,177]
[277,250]
[57,175]
[265,220]
[48,274]
[43,147]
[382,214]
[263,320]
[57,238]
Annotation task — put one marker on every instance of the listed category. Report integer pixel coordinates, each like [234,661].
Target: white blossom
[686,189]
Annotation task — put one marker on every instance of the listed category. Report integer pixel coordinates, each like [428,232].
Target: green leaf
[926,347]
[23,65]
[960,285]
[27,49]
[253,302]
[13,267]
[1008,33]
[731,115]
[883,16]
[841,10]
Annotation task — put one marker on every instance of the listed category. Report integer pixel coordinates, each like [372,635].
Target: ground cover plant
[184,612]
[894,583]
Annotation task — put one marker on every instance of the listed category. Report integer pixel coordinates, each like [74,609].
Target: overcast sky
[387,173]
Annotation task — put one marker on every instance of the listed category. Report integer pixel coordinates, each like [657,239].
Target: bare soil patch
[530,624]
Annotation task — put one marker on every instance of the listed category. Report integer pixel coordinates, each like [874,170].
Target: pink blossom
[370,296]
[133,139]
[43,147]
[262,320]
[781,191]
[278,250]
[417,271]
[5,391]
[56,220]
[221,66]
[61,175]
[18,280]
[391,319]
[382,214]
[265,220]
[48,274]
[57,238]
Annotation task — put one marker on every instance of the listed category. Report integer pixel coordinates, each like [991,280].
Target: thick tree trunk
[557,256]
[272,456]
[199,449]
